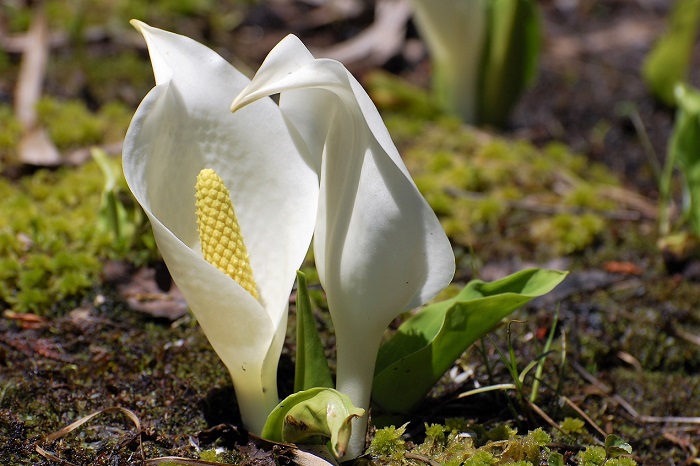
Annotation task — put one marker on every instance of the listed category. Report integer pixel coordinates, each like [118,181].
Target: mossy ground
[626,337]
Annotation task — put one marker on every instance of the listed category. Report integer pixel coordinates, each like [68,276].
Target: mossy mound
[457,443]
[52,242]
[490,191]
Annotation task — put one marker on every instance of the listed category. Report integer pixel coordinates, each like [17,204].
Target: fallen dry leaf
[26,320]
[140,289]
[625,268]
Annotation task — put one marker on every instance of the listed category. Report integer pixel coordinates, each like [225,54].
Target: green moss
[208,455]
[115,76]
[481,458]
[393,93]
[72,125]
[449,444]
[49,238]
[570,426]
[388,443]
[566,233]
[585,196]
[10,132]
[484,188]
[596,456]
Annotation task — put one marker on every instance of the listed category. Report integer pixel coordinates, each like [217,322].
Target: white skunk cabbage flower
[184,151]
[379,248]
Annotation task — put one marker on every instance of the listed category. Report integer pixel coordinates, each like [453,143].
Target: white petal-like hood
[379,248]
[184,125]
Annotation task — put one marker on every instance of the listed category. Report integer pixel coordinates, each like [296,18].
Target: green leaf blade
[511,57]
[427,344]
[616,447]
[669,61]
[311,364]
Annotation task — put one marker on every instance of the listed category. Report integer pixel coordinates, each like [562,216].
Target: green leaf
[510,59]
[669,61]
[684,149]
[113,217]
[313,417]
[555,459]
[429,343]
[615,446]
[311,364]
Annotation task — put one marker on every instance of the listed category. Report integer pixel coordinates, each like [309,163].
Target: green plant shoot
[484,53]
[311,368]
[669,61]
[113,215]
[427,344]
[684,153]
[313,417]
[510,57]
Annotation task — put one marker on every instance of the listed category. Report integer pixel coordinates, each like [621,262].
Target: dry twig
[35,147]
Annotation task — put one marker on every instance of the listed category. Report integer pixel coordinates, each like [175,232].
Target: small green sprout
[572,426]
[668,63]
[616,447]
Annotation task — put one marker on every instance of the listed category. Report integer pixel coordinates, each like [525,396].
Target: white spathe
[379,248]
[184,125]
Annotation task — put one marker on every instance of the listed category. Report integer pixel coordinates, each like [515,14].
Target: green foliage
[596,456]
[484,54]
[510,57]
[481,458]
[555,459]
[208,455]
[616,447]
[72,125]
[566,233]
[311,368]
[612,454]
[572,426]
[50,241]
[397,95]
[684,153]
[113,77]
[436,435]
[668,62]
[449,444]
[426,345]
[111,70]
[115,12]
[10,133]
[119,217]
[388,443]
[490,192]
[527,448]
[314,416]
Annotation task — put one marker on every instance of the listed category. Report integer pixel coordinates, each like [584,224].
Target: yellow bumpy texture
[222,242]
